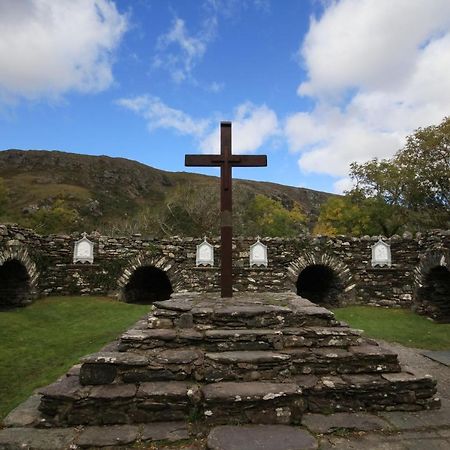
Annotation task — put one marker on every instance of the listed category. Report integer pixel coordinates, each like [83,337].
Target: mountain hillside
[58,191]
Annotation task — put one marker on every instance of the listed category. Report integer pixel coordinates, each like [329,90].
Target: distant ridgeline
[52,192]
[408,271]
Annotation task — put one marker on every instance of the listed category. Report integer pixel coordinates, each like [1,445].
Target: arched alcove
[320,284]
[435,291]
[322,278]
[14,284]
[147,284]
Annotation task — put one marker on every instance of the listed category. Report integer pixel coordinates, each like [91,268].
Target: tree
[411,189]
[191,210]
[425,163]
[55,219]
[357,216]
[268,217]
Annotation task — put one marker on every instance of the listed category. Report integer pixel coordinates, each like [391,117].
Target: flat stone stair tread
[278,366]
[252,402]
[233,391]
[251,357]
[289,310]
[260,437]
[159,364]
[239,338]
[118,358]
[69,387]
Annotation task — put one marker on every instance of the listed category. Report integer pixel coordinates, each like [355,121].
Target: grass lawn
[397,325]
[40,342]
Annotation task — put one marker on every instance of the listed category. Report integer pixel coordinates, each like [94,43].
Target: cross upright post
[226,161]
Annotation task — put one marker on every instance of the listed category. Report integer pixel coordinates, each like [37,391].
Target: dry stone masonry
[328,270]
[259,358]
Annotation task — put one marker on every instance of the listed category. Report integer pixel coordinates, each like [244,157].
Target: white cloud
[215,87]
[342,185]
[370,44]
[49,47]
[159,115]
[253,126]
[377,70]
[179,52]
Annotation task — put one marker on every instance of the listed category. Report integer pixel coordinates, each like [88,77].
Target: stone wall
[48,260]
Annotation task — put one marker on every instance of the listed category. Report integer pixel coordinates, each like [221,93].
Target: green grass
[397,325]
[42,341]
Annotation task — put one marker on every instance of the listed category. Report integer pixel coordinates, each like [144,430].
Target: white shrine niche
[205,254]
[83,250]
[258,254]
[381,254]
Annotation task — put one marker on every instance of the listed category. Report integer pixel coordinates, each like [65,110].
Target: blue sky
[313,84]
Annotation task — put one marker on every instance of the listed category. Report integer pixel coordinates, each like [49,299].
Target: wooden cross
[226,160]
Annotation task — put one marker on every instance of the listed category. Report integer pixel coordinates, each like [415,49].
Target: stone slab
[167,431]
[442,357]
[260,437]
[377,441]
[26,414]
[320,423]
[245,391]
[35,439]
[421,419]
[110,435]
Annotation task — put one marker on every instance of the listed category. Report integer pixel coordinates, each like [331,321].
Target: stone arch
[21,277]
[159,262]
[334,277]
[432,290]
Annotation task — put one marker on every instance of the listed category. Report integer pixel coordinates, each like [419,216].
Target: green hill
[58,191]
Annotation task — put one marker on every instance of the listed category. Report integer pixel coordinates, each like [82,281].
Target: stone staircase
[259,358]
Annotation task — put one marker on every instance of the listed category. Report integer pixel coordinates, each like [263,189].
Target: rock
[26,414]
[258,437]
[31,438]
[108,435]
[99,373]
[320,423]
[167,431]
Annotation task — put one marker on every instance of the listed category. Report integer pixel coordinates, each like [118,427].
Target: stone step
[129,367]
[193,363]
[67,402]
[289,311]
[239,339]
[370,392]
[253,402]
[265,365]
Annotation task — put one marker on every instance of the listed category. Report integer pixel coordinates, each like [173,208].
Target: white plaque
[258,254]
[381,254]
[205,254]
[83,250]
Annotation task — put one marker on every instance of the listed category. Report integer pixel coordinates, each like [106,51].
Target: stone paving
[428,430]
[423,430]
[443,356]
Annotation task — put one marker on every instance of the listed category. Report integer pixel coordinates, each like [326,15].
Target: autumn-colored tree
[268,217]
[415,182]
[357,216]
[411,190]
